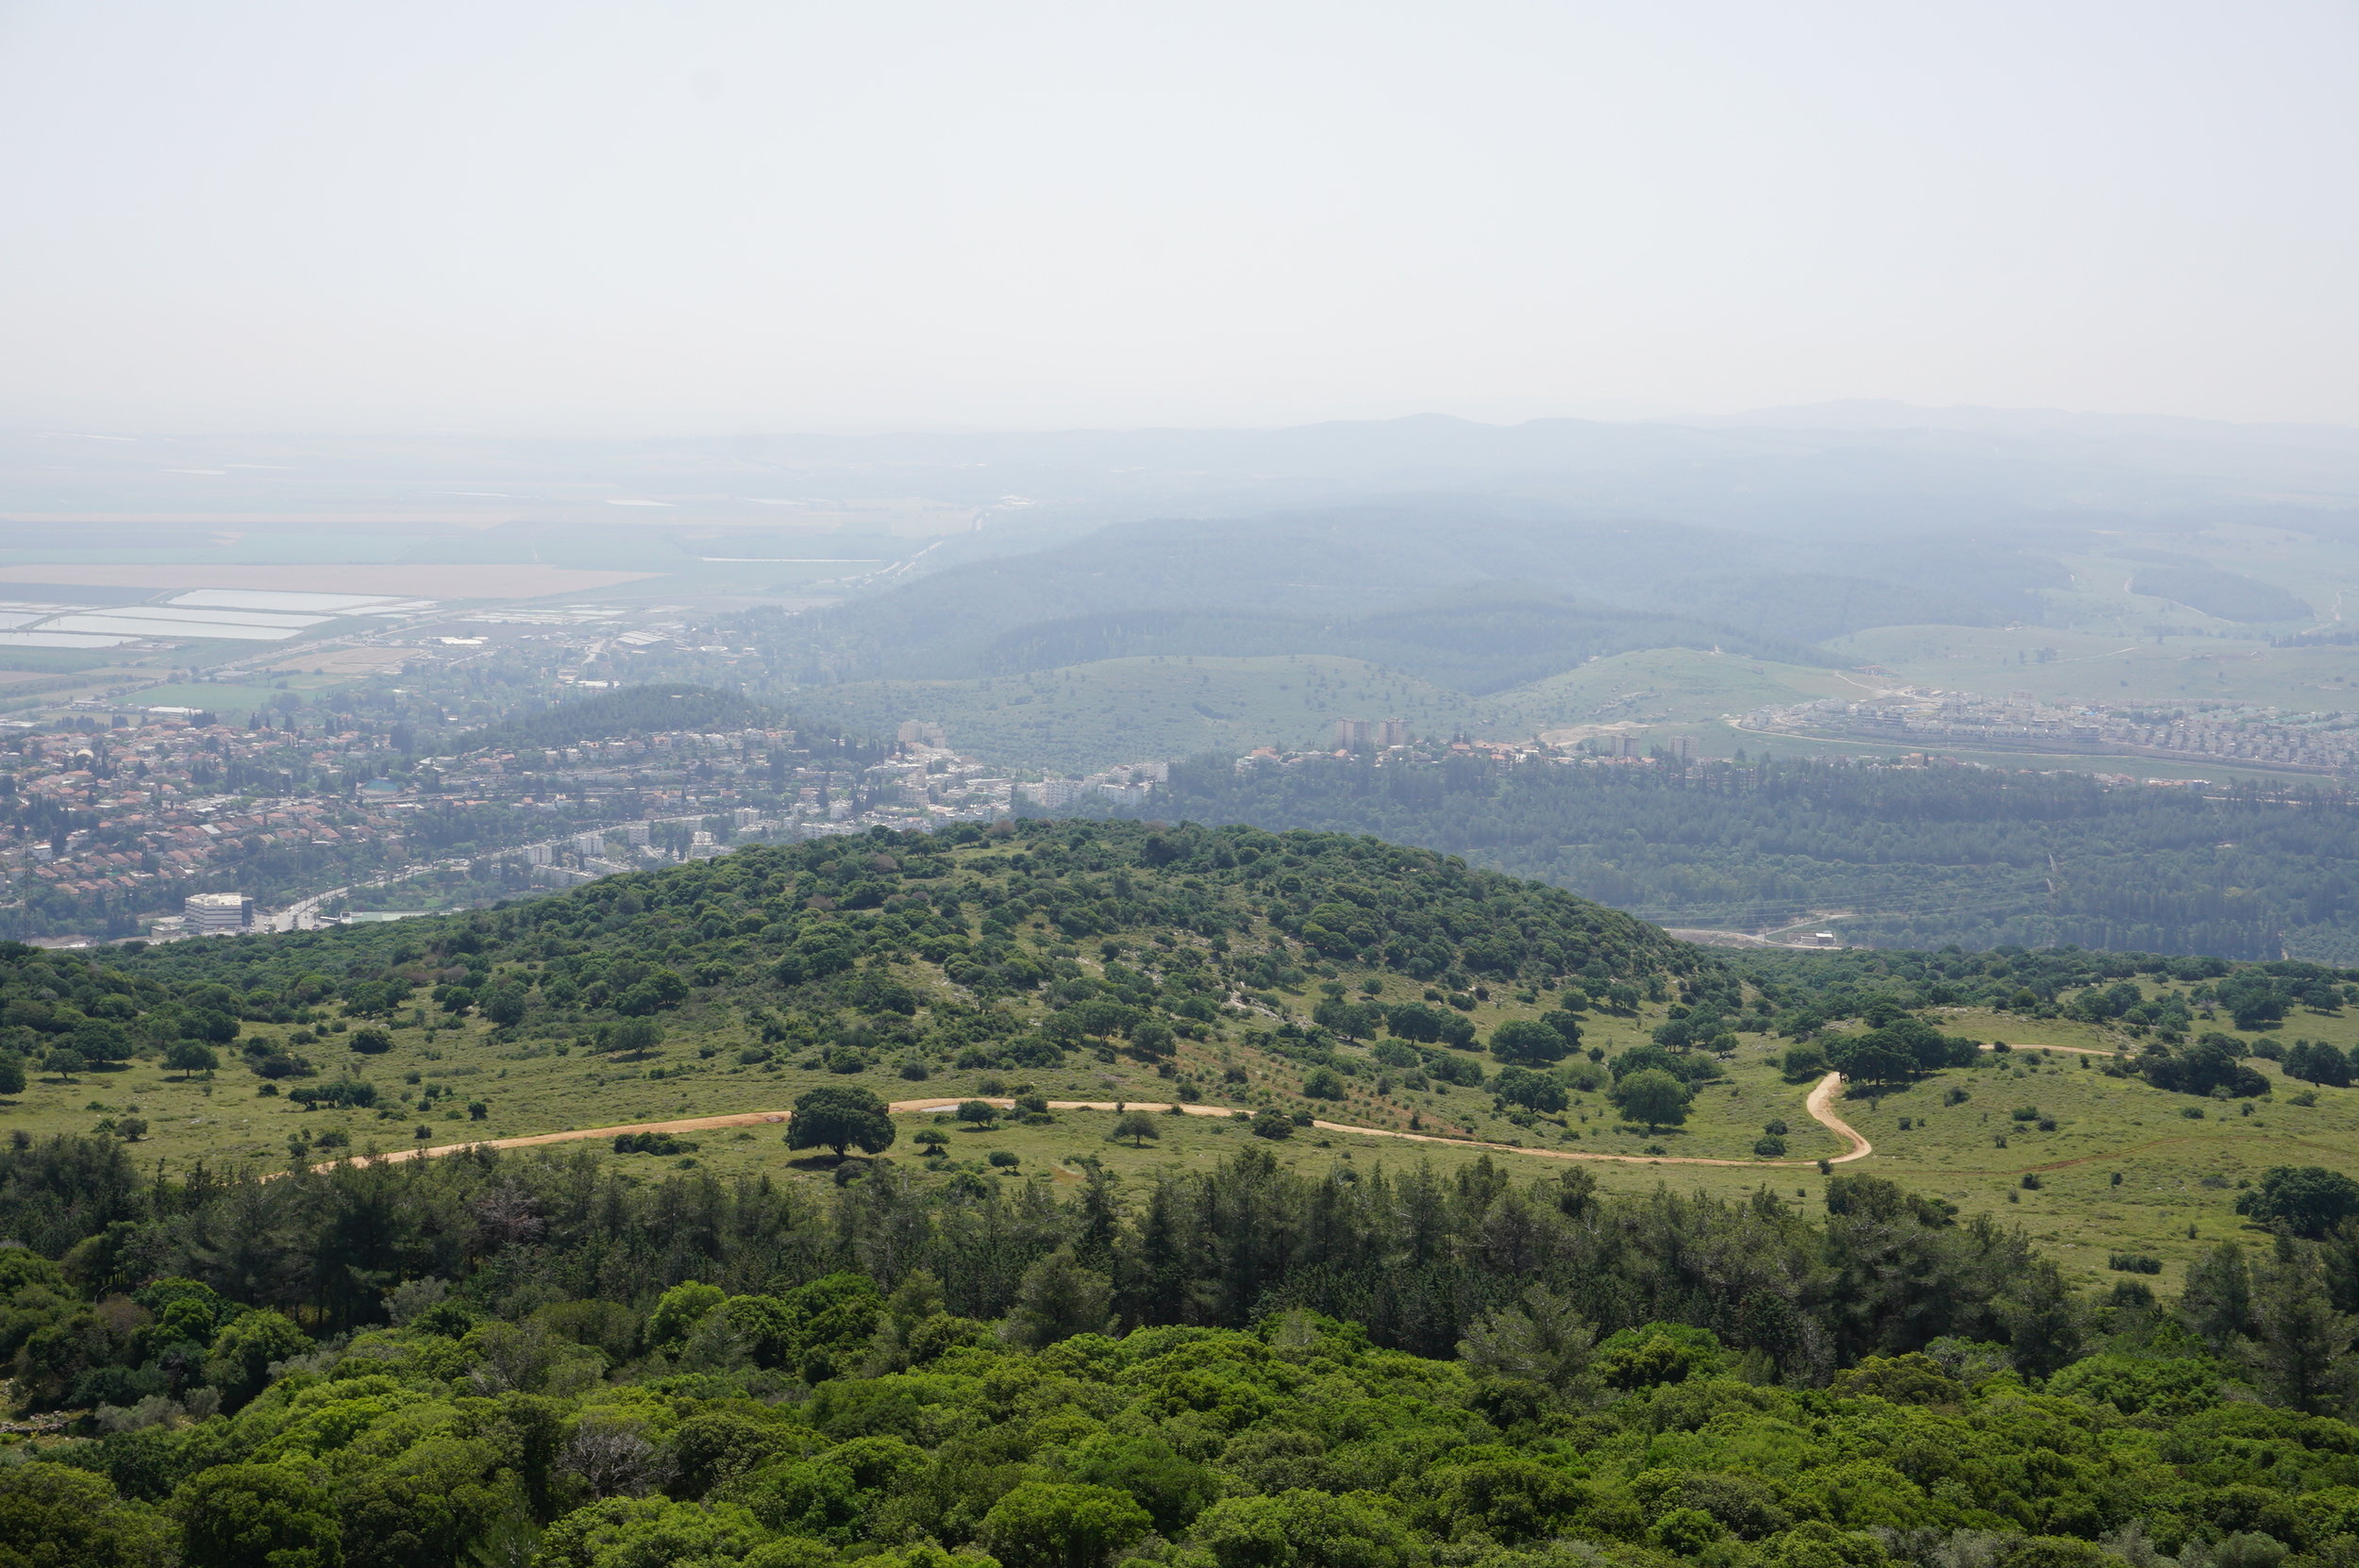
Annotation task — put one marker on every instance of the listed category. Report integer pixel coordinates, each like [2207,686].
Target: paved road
[1820,1106]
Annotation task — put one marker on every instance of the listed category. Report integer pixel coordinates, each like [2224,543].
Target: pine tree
[2043,1319]
[1058,1299]
[1097,1221]
[1539,1340]
[2217,1302]
[2303,1350]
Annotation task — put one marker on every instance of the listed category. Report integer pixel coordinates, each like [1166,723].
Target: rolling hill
[1654,686]
[1110,963]
[1093,715]
[1040,1338]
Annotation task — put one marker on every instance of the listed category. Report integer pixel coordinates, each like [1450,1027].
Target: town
[163,824]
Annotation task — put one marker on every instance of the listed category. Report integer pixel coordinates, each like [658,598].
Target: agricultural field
[2108,668]
[348,663]
[406,579]
[1724,740]
[23,664]
[231,701]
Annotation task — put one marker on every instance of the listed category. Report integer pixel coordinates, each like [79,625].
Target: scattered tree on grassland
[840,1117]
[1652,1097]
[2300,1200]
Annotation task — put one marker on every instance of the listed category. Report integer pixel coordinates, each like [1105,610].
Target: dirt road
[1819,1105]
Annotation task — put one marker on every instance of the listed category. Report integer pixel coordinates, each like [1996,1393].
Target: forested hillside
[1481,591]
[1216,960]
[1913,857]
[767,918]
[589,1358]
[536,1360]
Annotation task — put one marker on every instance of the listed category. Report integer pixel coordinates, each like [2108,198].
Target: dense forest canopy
[1925,857]
[535,1358]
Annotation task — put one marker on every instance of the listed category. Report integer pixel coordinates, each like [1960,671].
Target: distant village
[2258,737]
[1389,739]
[164,823]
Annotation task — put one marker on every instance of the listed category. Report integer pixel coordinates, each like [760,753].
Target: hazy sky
[675,215]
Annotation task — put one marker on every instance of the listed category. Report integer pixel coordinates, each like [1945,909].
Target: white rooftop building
[217,913]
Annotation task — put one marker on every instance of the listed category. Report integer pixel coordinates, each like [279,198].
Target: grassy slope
[2104,1124]
[2109,667]
[2311,568]
[1126,709]
[531,1088]
[544,1080]
[1659,686]
[1090,715]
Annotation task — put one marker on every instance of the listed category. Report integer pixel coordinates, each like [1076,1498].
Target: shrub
[1521,1085]
[2302,1200]
[1530,1044]
[652,1142]
[1806,1060]
[1270,1121]
[1652,1096]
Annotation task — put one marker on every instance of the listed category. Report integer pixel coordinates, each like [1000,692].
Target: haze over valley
[1295,786]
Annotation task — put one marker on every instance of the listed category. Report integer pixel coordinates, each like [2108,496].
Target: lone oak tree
[1652,1097]
[837,1118]
[1528,1043]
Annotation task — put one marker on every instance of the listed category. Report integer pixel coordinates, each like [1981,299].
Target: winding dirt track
[1819,1105]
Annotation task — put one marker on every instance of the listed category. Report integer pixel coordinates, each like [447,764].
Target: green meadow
[1954,1134]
